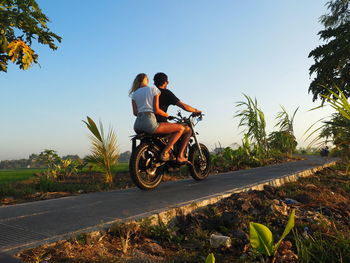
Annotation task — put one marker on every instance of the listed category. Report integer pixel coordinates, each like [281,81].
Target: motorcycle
[145,165]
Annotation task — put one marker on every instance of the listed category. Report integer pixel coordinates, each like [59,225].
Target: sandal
[164,156]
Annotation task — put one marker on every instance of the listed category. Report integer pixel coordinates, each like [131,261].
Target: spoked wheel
[200,168]
[144,167]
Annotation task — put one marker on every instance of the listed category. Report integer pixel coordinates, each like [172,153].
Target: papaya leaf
[288,228]
[210,258]
[261,238]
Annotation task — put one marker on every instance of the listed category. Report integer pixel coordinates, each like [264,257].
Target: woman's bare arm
[158,110]
[134,107]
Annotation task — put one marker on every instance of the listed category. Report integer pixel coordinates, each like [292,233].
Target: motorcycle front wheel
[199,168]
[143,167]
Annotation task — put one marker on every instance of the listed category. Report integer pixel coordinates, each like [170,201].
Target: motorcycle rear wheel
[143,170]
[199,169]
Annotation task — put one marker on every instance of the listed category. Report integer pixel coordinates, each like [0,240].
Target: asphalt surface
[35,223]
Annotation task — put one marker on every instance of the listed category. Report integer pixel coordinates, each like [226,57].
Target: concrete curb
[186,208]
[166,215]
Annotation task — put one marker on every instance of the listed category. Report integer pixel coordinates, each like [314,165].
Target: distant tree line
[34,161]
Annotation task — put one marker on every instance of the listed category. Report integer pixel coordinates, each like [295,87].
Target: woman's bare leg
[175,131]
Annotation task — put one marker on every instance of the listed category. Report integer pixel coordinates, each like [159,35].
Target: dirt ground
[322,225]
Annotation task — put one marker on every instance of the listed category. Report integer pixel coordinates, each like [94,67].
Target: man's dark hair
[160,78]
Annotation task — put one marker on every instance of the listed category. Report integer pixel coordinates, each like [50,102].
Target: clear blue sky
[212,51]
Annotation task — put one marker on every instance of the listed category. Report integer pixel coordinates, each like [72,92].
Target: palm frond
[104,150]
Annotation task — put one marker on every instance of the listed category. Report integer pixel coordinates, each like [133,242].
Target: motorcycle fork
[196,141]
[133,144]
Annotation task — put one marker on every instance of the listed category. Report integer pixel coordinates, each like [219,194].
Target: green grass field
[8,176]
[15,175]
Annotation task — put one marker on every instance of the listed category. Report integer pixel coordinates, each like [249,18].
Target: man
[166,99]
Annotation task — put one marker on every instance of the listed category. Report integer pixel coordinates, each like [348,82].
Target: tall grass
[252,119]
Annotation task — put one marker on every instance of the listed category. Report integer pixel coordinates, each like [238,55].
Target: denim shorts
[146,122]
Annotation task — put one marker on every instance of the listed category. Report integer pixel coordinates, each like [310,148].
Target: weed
[124,231]
[322,247]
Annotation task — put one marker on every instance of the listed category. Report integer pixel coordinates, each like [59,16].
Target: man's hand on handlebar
[197,113]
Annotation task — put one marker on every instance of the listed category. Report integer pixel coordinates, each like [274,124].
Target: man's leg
[185,138]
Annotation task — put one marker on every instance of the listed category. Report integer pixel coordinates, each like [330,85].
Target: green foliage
[58,168]
[332,60]
[284,122]
[253,120]
[261,238]
[339,102]
[104,150]
[50,158]
[322,248]
[337,129]
[21,22]
[283,141]
[210,258]
[339,13]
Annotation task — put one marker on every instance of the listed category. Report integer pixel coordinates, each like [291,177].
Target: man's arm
[187,107]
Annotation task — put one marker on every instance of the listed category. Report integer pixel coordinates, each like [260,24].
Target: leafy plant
[253,119]
[337,129]
[210,258]
[21,22]
[283,141]
[104,150]
[50,159]
[332,59]
[67,168]
[261,238]
[284,122]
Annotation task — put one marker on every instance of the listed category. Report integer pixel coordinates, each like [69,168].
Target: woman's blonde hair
[137,82]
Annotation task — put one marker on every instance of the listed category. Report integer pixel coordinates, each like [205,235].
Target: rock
[220,241]
[282,208]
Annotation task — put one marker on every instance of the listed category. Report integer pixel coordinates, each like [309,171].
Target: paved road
[30,224]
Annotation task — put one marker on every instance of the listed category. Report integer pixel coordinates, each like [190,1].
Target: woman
[145,104]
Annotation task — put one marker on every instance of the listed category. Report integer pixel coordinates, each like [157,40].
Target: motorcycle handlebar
[192,115]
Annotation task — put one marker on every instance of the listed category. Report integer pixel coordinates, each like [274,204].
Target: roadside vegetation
[100,171]
[321,231]
[258,148]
